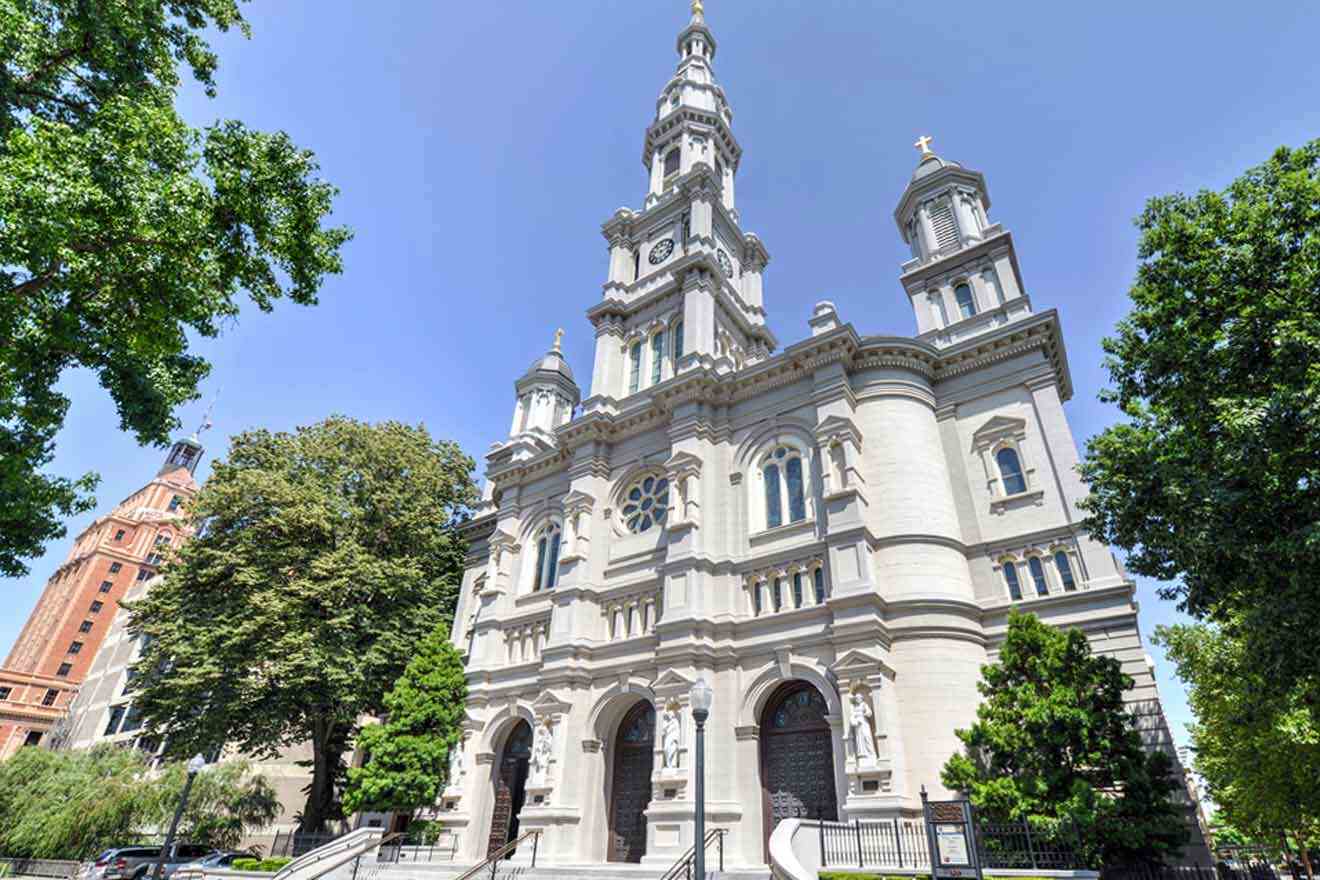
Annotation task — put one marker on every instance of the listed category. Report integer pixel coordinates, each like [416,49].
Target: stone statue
[540,760]
[859,722]
[669,732]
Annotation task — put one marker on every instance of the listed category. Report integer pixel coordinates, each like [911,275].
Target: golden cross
[697,8]
[559,338]
[923,144]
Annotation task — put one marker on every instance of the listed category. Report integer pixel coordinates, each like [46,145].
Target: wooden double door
[630,790]
[797,757]
[510,787]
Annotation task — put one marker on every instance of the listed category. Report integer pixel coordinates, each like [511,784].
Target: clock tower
[684,283]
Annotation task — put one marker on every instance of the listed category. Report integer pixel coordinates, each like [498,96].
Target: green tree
[1053,741]
[1212,482]
[124,231]
[408,754]
[1259,758]
[74,804]
[323,557]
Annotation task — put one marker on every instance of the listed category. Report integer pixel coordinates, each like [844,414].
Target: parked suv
[138,862]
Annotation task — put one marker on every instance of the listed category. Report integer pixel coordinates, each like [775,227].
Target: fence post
[898,842]
[857,825]
[721,842]
[1031,850]
[820,827]
[536,839]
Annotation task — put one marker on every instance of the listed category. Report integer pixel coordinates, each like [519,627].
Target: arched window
[798,596]
[1038,576]
[678,342]
[646,504]
[1011,577]
[785,489]
[966,305]
[547,558]
[1065,571]
[634,368]
[818,577]
[1010,470]
[671,162]
[657,355]
[937,309]
[637,263]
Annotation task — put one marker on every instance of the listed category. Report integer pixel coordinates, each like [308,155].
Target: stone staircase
[513,871]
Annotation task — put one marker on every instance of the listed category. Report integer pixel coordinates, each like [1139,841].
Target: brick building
[55,650]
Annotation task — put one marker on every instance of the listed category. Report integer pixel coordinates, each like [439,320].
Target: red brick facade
[56,647]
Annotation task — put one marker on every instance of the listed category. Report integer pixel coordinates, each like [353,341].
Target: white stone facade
[883,584]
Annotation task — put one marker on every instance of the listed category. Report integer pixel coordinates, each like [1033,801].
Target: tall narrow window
[756,598]
[540,563]
[635,368]
[678,343]
[818,576]
[937,309]
[114,567]
[777,597]
[966,305]
[657,356]
[116,716]
[51,696]
[1065,571]
[1010,469]
[773,511]
[671,162]
[798,597]
[1010,575]
[547,558]
[991,278]
[637,263]
[1038,576]
[685,232]
[797,503]
[175,502]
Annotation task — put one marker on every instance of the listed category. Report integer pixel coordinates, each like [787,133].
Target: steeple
[684,284]
[187,452]
[546,394]
[963,277]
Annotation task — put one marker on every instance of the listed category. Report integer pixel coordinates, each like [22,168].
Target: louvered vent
[946,232]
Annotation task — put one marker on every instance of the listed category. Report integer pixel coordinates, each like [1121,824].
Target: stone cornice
[691,119]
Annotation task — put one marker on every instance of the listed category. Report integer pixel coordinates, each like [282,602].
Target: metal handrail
[340,845]
[500,853]
[684,863]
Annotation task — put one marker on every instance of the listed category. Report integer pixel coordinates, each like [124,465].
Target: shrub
[247,864]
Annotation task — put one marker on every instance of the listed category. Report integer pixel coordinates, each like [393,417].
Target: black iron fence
[291,844]
[899,844]
[1222,870]
[418,846]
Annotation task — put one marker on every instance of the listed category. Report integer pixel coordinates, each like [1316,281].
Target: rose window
[646,504]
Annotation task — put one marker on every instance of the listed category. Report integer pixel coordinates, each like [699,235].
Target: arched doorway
[630,791]
[510,786]
[797,757]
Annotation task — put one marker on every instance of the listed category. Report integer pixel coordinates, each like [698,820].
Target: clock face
[661,252]
[726,266]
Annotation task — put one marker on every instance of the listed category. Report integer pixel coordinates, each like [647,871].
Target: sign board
[951,838]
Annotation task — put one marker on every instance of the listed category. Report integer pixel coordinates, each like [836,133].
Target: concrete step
[506,871]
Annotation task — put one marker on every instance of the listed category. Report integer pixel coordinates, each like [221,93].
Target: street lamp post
[701,696]
[195,766]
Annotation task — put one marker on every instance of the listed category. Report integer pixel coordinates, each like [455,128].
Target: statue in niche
[669,733]
[540,759]
[456,763]
[859,724]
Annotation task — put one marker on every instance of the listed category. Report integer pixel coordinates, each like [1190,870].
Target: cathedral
[830,531]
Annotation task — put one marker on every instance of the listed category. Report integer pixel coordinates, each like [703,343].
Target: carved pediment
[576,500]
[833,428]
[671,684]
[998,428]
[683,463]
[549,704]
[860,665]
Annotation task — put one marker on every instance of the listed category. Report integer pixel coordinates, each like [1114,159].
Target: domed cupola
[943,210]
[547,393]
[963,278]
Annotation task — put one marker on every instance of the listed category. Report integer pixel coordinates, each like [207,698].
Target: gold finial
[559,339]
[697,8]
[923,144]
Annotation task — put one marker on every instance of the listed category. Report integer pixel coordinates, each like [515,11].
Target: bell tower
[684,282]
[963,278]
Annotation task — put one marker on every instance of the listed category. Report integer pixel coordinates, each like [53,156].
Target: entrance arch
[797,757]
[510,786]
[630,790]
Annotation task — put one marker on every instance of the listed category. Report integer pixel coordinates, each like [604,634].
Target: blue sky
[479,146]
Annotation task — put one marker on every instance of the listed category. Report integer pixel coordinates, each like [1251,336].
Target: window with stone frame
[676,335]
[657,356]
[1010,471]
[64,670]
[784,484]
[635,367]
[1001,444]
[672,160]
[51,696]
[1063,566]
[545,574]
[1011,579]
[1037,570]
[962,292]
[645,504]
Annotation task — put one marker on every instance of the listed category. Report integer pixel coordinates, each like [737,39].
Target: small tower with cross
[963,276]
